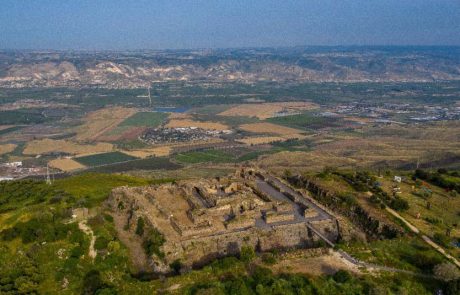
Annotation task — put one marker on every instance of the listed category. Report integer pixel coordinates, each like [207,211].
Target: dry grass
[260,140]
[268,128]
[391,146]
[45,146]
[99,122]
[178,123]
[321,265]
[65,164]
[180,116]
[122,133]
[255,140]
[359,120]
[7,148]
[268,110]
[161,151]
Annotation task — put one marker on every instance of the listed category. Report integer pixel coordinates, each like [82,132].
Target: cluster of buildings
[387,112]
[181,134]
[16,170]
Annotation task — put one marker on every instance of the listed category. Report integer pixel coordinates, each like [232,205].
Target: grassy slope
[46,266]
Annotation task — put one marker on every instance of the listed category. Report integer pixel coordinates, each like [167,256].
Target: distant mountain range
[133,69]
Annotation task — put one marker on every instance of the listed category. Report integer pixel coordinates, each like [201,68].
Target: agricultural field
[65,164]
[305,121]
[145,119]
[46,146]
[104,159]
[268,110]
[159,151]
[4,129]
[255,140]
[97,123]
[122,134]
[7,148]
[148,164]
[268,128]
[214,156]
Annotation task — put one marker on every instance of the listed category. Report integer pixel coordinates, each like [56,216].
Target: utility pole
[150,98]
[48,178]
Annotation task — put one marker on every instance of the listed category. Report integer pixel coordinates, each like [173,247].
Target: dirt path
[425,238]
[409,225]
[87,230]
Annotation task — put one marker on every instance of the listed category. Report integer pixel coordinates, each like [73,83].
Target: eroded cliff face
[137,69]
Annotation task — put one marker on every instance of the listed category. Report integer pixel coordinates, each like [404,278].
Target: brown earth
[101,121]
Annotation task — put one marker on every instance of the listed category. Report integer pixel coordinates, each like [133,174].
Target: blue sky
[159,24]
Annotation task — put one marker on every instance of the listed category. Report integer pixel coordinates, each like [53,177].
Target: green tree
[247,254]
[140,226]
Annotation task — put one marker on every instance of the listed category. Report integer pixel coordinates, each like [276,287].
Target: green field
[104,159]
[22,117]
[10,129]
[153,163]
[149,119]
[305,121]
[214,156]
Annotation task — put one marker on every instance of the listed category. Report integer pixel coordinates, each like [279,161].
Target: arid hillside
[312,64]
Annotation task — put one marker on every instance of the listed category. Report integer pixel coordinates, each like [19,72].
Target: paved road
[269,190]
[322,214]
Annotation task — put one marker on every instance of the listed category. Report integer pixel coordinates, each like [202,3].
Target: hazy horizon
[117,25]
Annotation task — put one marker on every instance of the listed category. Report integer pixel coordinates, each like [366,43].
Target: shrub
[268,258]
[101,243]
[342,276]
[140,226]
[441,239]
[153,242]
[399,204]
[247,254]
[176,266]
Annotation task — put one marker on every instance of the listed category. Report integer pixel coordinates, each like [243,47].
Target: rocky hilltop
[135,69]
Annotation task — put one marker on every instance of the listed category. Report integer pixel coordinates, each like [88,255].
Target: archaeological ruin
[205,219]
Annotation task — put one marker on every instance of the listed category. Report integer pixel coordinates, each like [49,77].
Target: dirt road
[87,230]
